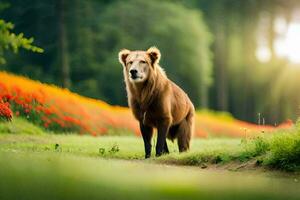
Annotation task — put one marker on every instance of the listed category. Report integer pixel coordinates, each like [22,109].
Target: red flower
[7,97]
[5,111]
[46,125]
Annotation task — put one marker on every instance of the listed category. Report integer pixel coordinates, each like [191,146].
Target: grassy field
[279,151]
[53,175]
[39,165]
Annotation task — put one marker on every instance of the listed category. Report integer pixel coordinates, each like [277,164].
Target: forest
[228,55]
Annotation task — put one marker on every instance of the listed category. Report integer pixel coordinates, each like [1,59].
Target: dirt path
[249,168]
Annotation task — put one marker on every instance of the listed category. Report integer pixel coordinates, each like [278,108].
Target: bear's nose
[133,72]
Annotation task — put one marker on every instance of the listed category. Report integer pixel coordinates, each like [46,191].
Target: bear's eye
[130,63]
[142,61]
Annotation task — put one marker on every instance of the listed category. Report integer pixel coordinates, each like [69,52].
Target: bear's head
[139,65]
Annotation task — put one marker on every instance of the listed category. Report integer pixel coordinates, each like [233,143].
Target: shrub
[285,151]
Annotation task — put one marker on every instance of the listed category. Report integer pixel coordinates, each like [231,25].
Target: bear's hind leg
[184,133]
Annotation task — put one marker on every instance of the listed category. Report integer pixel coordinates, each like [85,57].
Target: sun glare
[286,43]
[290,46]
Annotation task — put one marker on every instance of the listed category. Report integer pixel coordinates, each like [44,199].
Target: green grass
[283,151]
[280,151]
[20,126]
[54,175]
[44,165]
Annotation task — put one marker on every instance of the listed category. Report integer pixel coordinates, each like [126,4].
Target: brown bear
[156,101]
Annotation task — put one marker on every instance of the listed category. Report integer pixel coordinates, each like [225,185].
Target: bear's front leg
[147,133]
[162,132]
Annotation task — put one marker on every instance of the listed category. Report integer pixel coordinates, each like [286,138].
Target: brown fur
[157,102]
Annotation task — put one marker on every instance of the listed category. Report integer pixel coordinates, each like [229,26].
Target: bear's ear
[123,55]
[154,55]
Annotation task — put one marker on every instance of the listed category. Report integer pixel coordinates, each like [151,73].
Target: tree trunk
[220,62]
[63,45]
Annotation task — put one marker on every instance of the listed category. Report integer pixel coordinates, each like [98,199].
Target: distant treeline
[208,47]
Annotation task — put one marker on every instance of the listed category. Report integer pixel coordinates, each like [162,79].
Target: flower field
[59,109]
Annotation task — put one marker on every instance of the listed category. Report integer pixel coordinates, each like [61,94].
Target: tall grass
[284,152]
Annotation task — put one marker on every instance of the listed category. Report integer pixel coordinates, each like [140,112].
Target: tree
[63,44]
[12,41]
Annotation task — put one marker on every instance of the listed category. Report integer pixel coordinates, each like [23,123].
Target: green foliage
[12,41]
[3,6]
[285,151]
[112,150]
